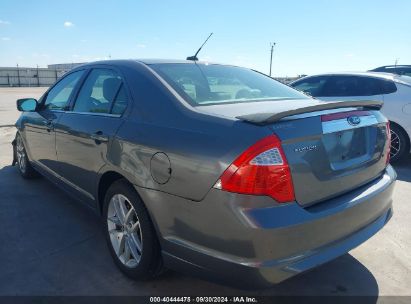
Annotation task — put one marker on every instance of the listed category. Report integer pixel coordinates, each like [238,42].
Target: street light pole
[271,57]
[38,76]
[18,75]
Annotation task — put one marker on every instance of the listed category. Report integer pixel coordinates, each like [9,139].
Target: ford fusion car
[212,170]
[393,90]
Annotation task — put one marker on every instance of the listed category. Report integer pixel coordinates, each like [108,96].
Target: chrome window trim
[94,114]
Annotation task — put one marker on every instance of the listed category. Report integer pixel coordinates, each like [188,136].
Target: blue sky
[312,36]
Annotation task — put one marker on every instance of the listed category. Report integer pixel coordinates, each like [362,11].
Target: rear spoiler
[271,117]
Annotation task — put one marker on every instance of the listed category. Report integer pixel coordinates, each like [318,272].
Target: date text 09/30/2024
[199,299]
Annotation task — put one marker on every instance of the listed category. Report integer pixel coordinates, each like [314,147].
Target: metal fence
[45,77]
[29,77]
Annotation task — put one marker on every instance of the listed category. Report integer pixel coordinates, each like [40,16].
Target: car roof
[366,74]
[381,75]
[393,66]
[149,61]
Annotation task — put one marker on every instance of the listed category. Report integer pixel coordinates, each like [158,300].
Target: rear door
[84,134]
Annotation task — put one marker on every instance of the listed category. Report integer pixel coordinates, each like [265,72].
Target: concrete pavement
[8,97]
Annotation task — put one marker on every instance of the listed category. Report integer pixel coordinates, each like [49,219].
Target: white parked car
[393,90]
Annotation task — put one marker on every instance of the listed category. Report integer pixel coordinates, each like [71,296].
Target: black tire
[400,143]
[150,263]
[23,163]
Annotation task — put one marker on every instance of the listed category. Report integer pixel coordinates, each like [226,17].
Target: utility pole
[271,57]
[38,76]
[18,75]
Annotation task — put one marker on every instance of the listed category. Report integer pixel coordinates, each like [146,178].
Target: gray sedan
[212,170]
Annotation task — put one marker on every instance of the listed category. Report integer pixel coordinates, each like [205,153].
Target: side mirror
[27,105]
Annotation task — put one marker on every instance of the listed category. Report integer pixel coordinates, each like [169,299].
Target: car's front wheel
[130,234]
[400,146]
[23,163]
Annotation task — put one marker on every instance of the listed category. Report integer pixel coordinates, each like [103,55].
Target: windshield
[203,84]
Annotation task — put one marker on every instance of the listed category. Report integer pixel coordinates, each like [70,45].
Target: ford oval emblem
[354,120]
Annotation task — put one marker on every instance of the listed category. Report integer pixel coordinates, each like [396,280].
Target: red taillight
[388,130]
[261,170]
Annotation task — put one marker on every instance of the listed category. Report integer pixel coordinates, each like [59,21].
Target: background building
[33,77]
[64,66]
[45,77]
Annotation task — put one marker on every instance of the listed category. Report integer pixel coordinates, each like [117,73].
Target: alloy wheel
[124,230]
[395,144]
[21,155]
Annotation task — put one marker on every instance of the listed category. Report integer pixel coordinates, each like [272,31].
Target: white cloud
[100,58]
[206,58]
[68,24]
[5,38]
[349,55]
[141,46]
[242,60]
[3,22]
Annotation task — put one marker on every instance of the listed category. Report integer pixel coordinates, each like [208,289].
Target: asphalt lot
[52,245]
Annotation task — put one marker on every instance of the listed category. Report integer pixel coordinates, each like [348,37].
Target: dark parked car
[394,69]
[210,169]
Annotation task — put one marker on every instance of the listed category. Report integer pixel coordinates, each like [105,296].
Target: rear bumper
[246,241]
[266,273]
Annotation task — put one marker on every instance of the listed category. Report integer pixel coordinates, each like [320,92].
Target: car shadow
[344,276]
[403,169]
[55,246]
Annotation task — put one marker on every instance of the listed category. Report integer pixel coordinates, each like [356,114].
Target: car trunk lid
[330,149]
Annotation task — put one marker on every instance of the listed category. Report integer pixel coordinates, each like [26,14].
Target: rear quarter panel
[199,146]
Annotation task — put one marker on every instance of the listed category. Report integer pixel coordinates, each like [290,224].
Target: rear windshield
[203,84]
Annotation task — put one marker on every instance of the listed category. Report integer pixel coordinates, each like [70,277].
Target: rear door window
[102,92]
[120,103]
[387,86]
[339,86]
[369,86]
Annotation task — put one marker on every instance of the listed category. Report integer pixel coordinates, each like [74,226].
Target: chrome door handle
[99,137]
[49,125]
